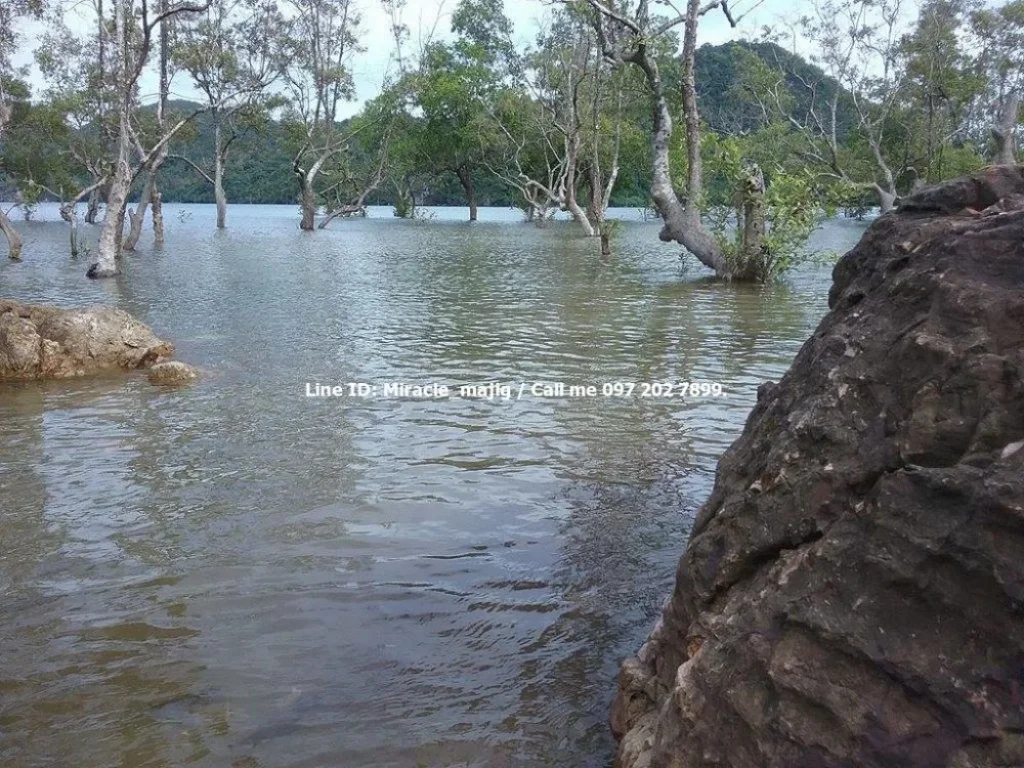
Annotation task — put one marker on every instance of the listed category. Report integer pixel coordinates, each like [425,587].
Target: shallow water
[236,574]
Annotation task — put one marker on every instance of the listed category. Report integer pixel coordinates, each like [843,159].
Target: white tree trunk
[108,250]
[157,202]
[155,198]
[222,204]
[1005,130]
[137,217]
[93,211]
[13,238]
[109,246]
[886,198]
[308,203]
[69,212]
[569,198]
[682,222]
[218,179]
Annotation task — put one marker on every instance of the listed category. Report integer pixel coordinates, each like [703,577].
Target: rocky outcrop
[853,590]
[39,342]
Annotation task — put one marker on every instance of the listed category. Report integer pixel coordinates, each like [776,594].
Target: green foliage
[34,153]
[797,205]
[795,201]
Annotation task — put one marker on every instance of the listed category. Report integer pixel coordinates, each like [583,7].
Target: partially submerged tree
[567,67]
[367,159]
[322,41]
[560,134]
[150,163]
[38,157]
[78,88]
[14,241]
[1000,33]
[629,39]
[232,54]
[456,85]
[857,46]
[10,10]
[531,157]
[133,38]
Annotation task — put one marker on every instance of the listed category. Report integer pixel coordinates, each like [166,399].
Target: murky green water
[236,575]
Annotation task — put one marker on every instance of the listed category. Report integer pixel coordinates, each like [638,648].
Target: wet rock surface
[172,372]
[41,342]
[853,590]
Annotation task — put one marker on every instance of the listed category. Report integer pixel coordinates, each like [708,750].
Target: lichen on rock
[41,342]
[852,593]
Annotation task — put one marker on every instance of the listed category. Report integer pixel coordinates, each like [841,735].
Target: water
[236,575]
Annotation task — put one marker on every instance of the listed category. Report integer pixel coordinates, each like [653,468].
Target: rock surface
[853,590]
[172,372]
[39,342]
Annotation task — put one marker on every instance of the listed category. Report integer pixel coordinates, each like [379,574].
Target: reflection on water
[233,574]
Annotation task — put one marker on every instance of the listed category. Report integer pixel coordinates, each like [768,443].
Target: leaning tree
[630,39]
[323,38]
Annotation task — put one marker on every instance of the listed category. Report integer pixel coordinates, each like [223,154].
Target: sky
[424,18]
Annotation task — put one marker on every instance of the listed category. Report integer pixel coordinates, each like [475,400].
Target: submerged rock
[39,342]
[172,372]
[853,590]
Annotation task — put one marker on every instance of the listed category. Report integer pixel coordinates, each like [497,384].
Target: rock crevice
[853,590]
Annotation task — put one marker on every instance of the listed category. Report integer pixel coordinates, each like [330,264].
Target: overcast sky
[422,17]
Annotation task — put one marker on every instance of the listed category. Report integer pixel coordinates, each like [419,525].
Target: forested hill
[260,167]
[726,107]
[260,171]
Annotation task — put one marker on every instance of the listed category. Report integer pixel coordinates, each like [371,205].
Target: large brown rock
[853,590]
[39,342]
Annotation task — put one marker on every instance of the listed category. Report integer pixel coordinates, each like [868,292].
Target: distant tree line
[741,148]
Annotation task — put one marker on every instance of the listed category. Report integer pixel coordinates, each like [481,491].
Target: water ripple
[233,574]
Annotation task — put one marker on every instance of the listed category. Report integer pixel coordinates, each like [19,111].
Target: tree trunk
[109,246]
[569,201]
[92,212]
[466,177]
[307,192]
[753,259]
[69,212]
[218,184]
[682,223]
[1005,130]
[579,216]
[138,216]
[158,216]
[161,114]
[108,250]
[594,213]
[542,212]
[222,204]
[886,198]
[13,238]
[309,206]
